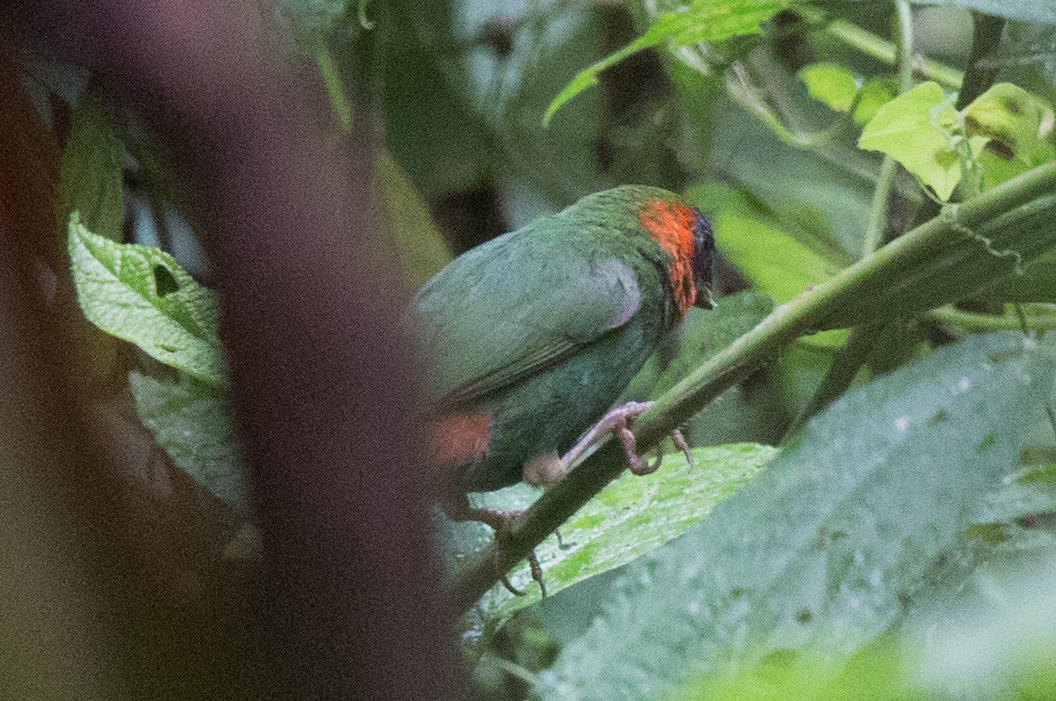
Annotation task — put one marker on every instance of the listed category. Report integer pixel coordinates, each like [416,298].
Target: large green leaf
[141,295]
[191,421]
[631,516]
[821,550]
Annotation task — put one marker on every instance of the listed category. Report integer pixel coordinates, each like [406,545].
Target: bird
[526,341]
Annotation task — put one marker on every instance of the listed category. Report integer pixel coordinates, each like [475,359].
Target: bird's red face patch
[460,439]
[671,224]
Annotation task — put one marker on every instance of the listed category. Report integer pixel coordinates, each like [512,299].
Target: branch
[884,50]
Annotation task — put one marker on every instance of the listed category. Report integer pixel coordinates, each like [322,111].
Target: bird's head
[684,233]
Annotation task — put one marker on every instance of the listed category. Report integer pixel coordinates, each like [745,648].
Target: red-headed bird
[529,338]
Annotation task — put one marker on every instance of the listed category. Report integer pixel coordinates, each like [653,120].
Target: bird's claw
[533,565]
[680,443]
[635,463]
[618,419]
[500,522]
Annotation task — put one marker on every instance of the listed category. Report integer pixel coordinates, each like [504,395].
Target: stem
[846,363]
[986,322]
[879,48]
[806,312]
[325,62]
[905,45]
[876,228]
[986,36]
[856,352]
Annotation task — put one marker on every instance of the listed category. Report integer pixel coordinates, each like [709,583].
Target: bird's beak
[704,300]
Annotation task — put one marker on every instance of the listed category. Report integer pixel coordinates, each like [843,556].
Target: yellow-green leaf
[912,130]
[421,247]
[831,84]
[1016,121]
[872,96]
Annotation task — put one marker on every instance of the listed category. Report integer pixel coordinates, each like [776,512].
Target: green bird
[528,339]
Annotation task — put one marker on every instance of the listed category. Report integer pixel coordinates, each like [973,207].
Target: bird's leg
[545,470]
[457,507]
[616,421]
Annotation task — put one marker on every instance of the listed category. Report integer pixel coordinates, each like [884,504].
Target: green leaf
[830,83]
[631,516]
[1014,119]
[191,421]
[703,21]
[119,291]
[873,95]
[818,554]
[914,130]
[420,245]
[773,261]
[90,179]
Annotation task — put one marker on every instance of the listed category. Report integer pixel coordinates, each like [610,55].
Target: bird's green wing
[520,304]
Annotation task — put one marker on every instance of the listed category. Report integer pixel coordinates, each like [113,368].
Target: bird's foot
[620,417]
[502,530]
[617,421]
[499,521]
